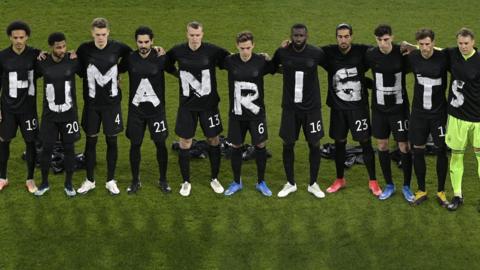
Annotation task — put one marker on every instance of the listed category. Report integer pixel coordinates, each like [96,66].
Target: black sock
[135,161]
[30,157]
[236,160]
[340,151]
[214,155]
[419,166]
[314,158]
[162,159]
[69,164]
[45,160]
[369,159]
[4,155]
[288,160]
[112,155]
[261,159]
[406,167]
[184,162]
[442,167]
[91,157]
[384,157]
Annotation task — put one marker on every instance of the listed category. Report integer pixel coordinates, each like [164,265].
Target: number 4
[117,119]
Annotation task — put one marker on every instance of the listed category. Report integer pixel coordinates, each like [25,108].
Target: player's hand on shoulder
[285,43]
[73,55]
[42,56]
[407,48]
[160,51]
[267,57]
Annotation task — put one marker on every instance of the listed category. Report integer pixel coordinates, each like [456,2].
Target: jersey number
[31,124]
[402,125]
[361,124]
[72,127]
[261,128]
[214,120]
[159,126]
[117,119]
[316,127]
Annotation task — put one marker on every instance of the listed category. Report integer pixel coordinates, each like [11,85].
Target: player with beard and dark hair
[99,60]
[390,107]
[301,106]
[18,107]
[198,100]
[146,106]
[348,100]
[59,117]
[247,109]
[429,111]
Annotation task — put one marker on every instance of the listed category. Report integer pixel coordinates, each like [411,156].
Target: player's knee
[214,141]
[382,145]
[92,140]
[111,140]
[261,145]
[404,147]
[185,143]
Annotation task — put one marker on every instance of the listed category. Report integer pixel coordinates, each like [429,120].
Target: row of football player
[345,62]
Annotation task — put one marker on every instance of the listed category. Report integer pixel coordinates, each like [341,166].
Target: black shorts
[136,124]
[357,121]
[293,120]
[109,117]
[385,123]
[421,127]
[237,129]
[67,132]
[28,123]
[186,124]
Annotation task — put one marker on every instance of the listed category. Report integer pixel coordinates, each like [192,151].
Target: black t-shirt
[197,77]
[100,72]
[346,77]
[301,88]
[388,70]
[19,83]
[59,96]
[464,95]
[147,83]
[430,82]
[245,85]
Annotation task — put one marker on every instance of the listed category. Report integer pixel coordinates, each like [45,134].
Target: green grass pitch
[348,230]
